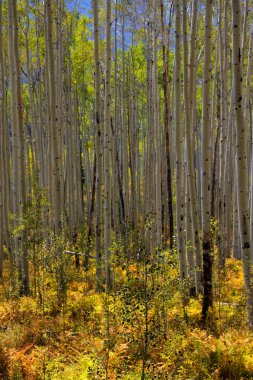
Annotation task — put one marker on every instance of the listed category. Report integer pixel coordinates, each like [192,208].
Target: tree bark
[241,158]
[206,166]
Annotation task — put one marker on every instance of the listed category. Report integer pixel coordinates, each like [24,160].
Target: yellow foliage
[72,342]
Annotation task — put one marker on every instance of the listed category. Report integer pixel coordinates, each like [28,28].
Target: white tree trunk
[241,159]
[107,149]
[180,198]
[206,164]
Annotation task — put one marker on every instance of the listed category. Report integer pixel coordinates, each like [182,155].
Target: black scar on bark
[206,246]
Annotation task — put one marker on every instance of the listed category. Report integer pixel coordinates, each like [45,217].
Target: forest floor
[139,328]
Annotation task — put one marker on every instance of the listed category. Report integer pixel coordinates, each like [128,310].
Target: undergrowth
[139,330]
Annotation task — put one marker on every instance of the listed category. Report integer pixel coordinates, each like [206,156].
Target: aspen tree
[125,160]
[223,189]
[19,103]
[215,139]
[138,156]
[133,150]
[228,147]
[228,191]
[206,165]
[148,162]
[71,164]
[41,158]
[241,158]
[15,131]
[88,175]
[98,134]
[34,130]
[53,118]
[107,148]
[115,130]
[248,77]
[248,117]
[48,128]
[137,198]
[78,164]
[222,114]
[243,55]
[157,136]
[90,214]
[246,112]
[167,126]
[236,248]
[59,88]
[18,149]
[151,155]
[191,266]
[150,186]
[188,105]
[2,147]
[131,144]
[180,201]
[214,145]
[4,155]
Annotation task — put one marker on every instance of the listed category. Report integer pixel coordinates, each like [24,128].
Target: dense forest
[126,189]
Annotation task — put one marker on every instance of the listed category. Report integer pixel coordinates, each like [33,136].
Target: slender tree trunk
[125,160]
[98,134]
[2,148]
[188,103]
[167,126]
[115,132]
[206,165]
[18,149]
[4,177]
[241,160]
[53,119]
[180,198]
[41,146]
[107,149]
[157,137]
